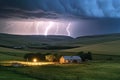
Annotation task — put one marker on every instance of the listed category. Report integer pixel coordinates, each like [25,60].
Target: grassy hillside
[109,48]
[5,57]
[101,44]
[22,40]
[11,54]
[50,42]
[90,40]
[8,75]
[31,42]
[87,71]
[102,67]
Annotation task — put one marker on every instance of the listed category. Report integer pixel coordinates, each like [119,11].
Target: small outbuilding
[70,59]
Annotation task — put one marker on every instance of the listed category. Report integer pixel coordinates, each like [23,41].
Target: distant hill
[14,47]
[23,40]
[53,42]
[8,39]
[99,44]
[111,48]
[11,54]
[95,39]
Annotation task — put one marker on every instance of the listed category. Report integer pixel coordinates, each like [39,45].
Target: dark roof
[71,57]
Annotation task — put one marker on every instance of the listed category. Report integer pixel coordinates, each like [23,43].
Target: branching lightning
[51,27]
[37,27]
[67,29]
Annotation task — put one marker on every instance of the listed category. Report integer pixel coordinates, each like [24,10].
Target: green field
[109,48]
[11,54]
[4,57]
[13,51]
[105,64]
[9,75]
[86,71]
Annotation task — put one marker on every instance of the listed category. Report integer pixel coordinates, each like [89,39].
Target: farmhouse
[70,59]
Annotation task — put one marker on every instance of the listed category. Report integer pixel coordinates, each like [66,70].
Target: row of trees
[54,57]
[41,57]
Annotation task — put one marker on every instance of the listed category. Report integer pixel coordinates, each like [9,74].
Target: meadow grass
[109,48]
[84,71]
[8,75]
[4,57]
[105,64]
[12,52]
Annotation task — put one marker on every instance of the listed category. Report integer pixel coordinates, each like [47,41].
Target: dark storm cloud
[97,26]
[59,8]
[98,16]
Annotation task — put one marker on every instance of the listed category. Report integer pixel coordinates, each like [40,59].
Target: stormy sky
[83,17]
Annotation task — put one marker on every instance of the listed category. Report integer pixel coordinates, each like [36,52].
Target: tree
[28,57]
[82,55]
[31,56]
[85,56]
[89,56]
[50,58]
[41,56]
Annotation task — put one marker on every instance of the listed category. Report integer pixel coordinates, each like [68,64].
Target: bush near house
[50,58]
[85,56]
[31,56]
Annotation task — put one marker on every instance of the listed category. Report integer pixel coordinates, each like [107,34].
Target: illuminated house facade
[70,59]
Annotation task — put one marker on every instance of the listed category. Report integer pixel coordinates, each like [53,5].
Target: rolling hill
[11,54]
[103,47]
[32,41]
[101,67]
[109,48]
[95,39]
[99,44]
[9,39]
[13,47]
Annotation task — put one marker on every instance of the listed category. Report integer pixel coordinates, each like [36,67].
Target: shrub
[85,56]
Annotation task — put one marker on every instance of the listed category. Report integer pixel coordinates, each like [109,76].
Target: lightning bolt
[37,27]
[67,29]
[48,28]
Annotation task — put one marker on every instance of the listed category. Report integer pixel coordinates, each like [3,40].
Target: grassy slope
[4,57]
[110,48]
[12,50]
[17,40]
[8,75]
[11,54]
[87,71]
[104,44]
[90,40]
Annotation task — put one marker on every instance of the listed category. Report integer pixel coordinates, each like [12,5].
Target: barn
[70,59]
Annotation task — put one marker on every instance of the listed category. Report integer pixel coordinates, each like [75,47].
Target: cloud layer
[90,16]
[59,9]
